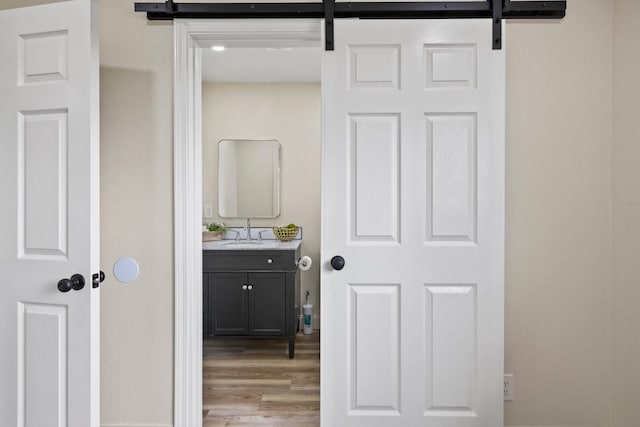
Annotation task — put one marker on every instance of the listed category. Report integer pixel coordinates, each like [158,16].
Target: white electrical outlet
[208,211]
[508,387]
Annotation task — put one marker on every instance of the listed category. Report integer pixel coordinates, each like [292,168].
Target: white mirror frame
[189,37]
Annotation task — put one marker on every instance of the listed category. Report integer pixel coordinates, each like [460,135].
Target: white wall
[626,213]
[289,113]
[559,329]
[137,216]
[558,252]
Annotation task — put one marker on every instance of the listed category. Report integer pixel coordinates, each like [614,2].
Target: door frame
[189,37]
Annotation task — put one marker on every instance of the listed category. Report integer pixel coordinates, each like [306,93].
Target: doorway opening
[193,38]
[261,147]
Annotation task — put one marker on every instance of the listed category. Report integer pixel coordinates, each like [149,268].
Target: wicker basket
[285,234]
[210,236]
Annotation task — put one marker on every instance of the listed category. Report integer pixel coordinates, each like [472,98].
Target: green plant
[216,227]
[292,226]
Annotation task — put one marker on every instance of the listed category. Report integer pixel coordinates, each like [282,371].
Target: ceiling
[262,65]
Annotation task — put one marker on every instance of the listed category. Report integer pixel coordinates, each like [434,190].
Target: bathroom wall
[289,113]
[558,340]
[250,177]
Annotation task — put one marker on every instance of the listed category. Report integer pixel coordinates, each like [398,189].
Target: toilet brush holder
[307,311]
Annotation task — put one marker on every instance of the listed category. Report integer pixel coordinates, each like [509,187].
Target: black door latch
[97,279]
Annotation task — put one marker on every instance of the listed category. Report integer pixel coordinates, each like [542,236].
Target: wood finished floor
[254,383]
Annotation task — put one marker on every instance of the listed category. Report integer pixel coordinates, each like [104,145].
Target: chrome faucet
[248,229]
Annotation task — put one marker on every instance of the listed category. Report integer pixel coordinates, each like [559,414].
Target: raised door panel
[228,304]
[267,303]
[42,367]
[451,178]
[374,175]
[43,185]
[451,341]
[373,349]
[374,66]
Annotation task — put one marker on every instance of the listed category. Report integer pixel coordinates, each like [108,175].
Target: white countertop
[240,245]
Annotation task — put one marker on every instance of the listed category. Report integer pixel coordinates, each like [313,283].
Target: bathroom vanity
[251,289]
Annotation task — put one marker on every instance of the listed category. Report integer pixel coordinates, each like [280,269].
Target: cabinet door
[267,304]
[228,304]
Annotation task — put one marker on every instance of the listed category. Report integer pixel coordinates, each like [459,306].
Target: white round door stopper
[126,270]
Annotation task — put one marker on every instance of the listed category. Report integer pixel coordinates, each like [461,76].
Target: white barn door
[413,200]
[49,223]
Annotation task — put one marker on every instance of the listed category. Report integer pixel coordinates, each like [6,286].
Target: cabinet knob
[244,287]
[250,287]
[269,261]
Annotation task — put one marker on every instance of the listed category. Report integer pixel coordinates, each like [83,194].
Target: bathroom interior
[261,146]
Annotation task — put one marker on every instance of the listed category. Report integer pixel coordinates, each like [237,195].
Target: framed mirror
[248,178]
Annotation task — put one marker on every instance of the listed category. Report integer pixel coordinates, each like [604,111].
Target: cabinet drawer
[248,261]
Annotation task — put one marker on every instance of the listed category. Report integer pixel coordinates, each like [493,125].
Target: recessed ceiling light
[280,49]
[217,48]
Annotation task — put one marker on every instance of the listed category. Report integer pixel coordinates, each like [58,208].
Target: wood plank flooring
[254,383]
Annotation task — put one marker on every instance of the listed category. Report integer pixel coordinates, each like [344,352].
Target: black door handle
[337,262]
[76,282]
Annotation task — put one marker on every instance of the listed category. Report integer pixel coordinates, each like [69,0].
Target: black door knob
[337,262]
[76,282]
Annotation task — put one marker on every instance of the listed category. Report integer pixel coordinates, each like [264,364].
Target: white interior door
[49,224]
[413,200]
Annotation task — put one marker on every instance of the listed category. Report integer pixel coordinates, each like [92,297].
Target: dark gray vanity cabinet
[251,293]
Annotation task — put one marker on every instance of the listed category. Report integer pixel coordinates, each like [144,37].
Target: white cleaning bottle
[307,311]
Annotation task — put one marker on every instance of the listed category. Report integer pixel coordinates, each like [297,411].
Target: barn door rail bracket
[329,15]
[496,10]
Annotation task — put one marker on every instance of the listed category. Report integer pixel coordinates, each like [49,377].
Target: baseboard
[171,425]
[135,425]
